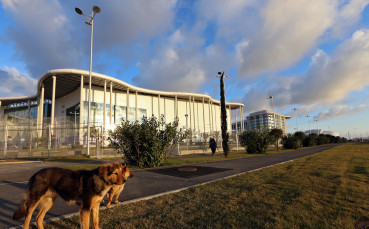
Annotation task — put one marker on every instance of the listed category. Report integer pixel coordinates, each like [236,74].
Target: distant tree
[322,139]
[276,135]
[300,135]
[225,135]
[290,142]
[310,140]
[256,141]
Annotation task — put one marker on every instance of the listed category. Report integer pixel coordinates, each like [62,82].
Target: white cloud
[41,33]
[48,34]
[341,110]
[329,80]
[16,84]
[291,28]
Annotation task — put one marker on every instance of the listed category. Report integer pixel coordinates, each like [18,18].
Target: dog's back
[48,179]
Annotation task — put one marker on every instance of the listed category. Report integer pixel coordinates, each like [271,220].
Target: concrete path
[146,183]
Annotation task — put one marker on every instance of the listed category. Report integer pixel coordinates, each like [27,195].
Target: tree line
[258,141]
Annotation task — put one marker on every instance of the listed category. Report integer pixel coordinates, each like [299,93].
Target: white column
[165,111]
[242,120]
[229,121]
[152,105]
[136,116]
[203,114]
[235,116]
[210,126]
[194,118]
[216,124]
[104,109]
[175,107]
[127,105]
[111,102]
[42,108]
[159,118]
[212,116]
[53,105]
[190,111]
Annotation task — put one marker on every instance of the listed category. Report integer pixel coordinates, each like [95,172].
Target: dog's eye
[115,173]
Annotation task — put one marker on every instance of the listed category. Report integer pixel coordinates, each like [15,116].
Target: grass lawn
[326,190]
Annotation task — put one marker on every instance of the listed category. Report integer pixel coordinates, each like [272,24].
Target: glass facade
[118,113]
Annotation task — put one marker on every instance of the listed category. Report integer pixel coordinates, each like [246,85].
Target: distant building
[264,119]
[320,131]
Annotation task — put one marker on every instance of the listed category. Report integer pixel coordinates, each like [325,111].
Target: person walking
[212,145]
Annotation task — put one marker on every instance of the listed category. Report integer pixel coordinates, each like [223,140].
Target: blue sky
[309,55]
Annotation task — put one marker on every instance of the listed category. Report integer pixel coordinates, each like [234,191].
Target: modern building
[62,98]
[264,119]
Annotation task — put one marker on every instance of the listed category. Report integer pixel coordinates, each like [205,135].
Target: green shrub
[290,142]
[144,144]
[310,140]
[256,141]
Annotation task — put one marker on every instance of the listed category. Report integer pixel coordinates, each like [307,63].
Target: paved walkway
[146,183]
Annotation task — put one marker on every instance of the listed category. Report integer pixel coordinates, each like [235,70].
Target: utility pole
[297,122]
[308,116]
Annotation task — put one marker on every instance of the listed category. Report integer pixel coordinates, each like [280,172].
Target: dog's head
[114,173]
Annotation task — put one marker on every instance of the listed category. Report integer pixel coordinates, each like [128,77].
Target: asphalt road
[146,182]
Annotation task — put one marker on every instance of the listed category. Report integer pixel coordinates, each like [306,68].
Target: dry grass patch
[326,190]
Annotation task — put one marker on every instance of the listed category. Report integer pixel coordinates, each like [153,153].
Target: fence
[67,138]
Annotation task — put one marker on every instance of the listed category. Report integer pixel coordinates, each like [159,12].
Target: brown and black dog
[116,190]
[85,188]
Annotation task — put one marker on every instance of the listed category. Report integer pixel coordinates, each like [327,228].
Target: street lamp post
[317,127]
[297,122]
[95,10]
[272,98]
[308,116]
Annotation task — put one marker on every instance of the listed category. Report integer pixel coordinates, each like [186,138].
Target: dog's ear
[103,170]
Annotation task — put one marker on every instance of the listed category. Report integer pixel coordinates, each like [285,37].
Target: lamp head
[78,11]
[96,9]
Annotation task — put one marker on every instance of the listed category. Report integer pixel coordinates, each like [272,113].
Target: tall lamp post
[95,10]
[272,98]
[297,122]
[308,116]
[317,127]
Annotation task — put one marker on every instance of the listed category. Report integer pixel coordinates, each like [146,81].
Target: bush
[301,136]
[290,142]
[145,144]
[276,134]
[310,140]
[256,141]
[322,139]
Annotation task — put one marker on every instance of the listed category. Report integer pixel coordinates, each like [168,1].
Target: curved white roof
[68,80]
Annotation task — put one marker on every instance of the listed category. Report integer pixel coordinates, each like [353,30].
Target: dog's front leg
[84,217]
[95,216]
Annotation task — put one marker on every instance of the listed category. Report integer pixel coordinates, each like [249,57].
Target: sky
[312,56]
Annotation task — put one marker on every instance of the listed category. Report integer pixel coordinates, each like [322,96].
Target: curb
[161,194]
[3,162]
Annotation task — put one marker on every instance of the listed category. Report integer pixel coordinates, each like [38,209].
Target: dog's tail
[21,211]
[23,208]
